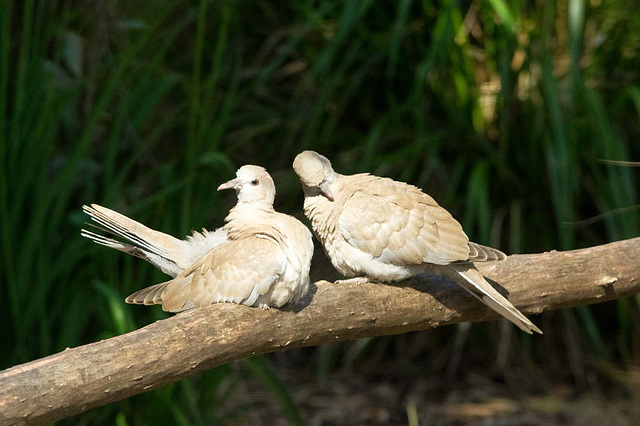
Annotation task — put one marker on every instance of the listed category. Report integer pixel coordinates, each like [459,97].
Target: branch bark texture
[81,378]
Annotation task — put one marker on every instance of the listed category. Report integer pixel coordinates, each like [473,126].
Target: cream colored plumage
[163,251]
[262,258]
[381,229]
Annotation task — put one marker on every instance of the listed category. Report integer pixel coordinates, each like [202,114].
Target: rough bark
[81,378]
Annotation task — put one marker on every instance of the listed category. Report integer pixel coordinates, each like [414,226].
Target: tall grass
[501,110]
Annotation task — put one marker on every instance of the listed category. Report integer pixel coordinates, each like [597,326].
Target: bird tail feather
[160,249]
[469,278]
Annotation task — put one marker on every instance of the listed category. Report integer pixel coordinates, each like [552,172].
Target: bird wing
[399,224]
[237,271]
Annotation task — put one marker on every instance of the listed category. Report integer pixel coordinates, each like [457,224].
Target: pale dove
[258,258]
[376,228]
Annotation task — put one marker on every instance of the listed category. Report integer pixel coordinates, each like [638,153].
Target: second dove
[377,228]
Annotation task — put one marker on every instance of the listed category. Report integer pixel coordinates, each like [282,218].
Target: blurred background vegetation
[511,114]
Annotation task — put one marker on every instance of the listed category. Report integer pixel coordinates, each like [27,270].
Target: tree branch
[81,378]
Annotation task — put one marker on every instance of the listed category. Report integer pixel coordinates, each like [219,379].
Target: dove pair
[370,228]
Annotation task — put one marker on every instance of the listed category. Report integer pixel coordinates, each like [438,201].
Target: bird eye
[255,182]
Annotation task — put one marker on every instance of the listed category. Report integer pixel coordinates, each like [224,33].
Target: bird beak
[228,185]
[326,190]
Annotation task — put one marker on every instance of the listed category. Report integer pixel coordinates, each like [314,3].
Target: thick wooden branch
[78,379]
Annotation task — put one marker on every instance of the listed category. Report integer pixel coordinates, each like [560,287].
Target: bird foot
[356,280]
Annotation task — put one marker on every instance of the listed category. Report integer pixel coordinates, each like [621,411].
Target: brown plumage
[378,228]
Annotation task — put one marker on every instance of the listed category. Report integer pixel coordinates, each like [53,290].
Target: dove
[376,228]
[258,258]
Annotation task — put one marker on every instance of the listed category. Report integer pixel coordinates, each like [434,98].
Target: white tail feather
[163,251]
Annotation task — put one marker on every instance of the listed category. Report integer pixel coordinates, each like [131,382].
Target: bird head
[252,184]
[315,172]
